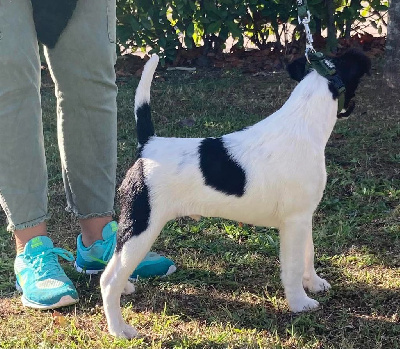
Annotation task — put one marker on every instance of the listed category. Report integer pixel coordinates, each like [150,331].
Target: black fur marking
[334,91]
[144,125]
[135,205]
[348,111]
[351,67]
[51,18]
[297,69]
[219,170]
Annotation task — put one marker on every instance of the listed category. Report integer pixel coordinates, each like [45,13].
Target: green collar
[326,68]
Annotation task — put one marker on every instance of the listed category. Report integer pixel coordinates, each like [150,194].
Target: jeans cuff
[30,224]
[90,215]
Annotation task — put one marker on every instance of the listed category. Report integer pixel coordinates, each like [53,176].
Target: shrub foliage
[166,26]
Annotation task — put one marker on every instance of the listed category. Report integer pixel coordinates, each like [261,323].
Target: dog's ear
[297,69]
[351,66]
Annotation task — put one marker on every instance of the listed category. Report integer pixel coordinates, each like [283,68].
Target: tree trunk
[318,26]
[347,31]
[331,40]
[348,24]
[391,71]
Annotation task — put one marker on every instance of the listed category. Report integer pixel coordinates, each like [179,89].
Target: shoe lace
[46,263]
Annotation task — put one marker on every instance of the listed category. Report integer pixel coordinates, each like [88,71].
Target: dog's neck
[310,108]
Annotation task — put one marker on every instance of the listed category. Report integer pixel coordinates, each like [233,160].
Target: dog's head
[351,66]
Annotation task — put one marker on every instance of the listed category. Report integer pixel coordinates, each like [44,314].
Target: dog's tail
[144,125]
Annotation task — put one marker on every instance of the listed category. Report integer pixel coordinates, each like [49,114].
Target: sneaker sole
[170,270]
[63,302]
[87,271]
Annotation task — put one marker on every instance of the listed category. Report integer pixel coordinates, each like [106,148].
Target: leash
[316,60]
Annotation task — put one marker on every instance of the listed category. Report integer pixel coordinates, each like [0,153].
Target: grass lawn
[226,292]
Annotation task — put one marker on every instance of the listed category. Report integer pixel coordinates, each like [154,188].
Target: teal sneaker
[93,259]
[40,278]
[154,265]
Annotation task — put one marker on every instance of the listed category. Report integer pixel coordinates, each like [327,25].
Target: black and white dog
[270,174]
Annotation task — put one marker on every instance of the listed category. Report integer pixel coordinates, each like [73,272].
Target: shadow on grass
[353,314]
[358,313]
[210,297]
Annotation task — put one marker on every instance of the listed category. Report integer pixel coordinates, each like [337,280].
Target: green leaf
[235,30]
[190,29]
[214,27]
[162,41]
[146,23]
[224,33]
[134,24]
[188,42]
[381,8]
[192,5]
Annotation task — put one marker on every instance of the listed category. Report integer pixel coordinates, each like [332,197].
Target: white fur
[283,158]
[143,89]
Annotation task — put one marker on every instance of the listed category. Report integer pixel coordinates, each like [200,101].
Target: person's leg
[23,174]
[24,235]
[82,67]
[92,229]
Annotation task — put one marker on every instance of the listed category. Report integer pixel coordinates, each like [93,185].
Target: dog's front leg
[311,280]
[294,236]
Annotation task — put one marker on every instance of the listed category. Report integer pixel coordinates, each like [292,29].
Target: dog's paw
[316,284]
[129,288]
[129,331]
[124,331]
[303,304]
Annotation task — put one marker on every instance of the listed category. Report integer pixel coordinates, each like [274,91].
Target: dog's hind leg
[311,280]
[112,284]
[114,280]
[293,235]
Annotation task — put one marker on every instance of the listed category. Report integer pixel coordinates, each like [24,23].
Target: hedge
[167,26]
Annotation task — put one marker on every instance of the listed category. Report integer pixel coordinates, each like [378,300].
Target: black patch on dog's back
[144,124]
[219,170]
[135,204]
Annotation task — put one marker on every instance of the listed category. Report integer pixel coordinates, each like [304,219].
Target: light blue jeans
[82,67]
